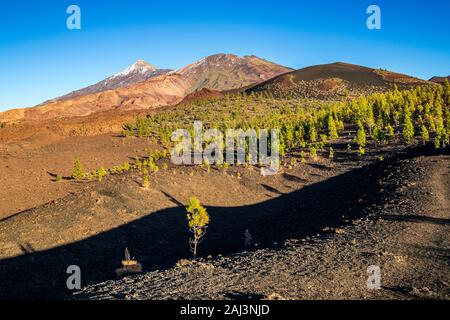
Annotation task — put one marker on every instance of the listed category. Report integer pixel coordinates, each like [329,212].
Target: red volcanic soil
[334,82]
[203,94]
[440,80]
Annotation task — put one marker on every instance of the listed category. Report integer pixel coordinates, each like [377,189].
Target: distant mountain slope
[227,71]
[127,92]
[203,94]
[334,81]
[137,72]
[440,80]
[156,92]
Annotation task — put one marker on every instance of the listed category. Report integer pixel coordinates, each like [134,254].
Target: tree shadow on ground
[417,219]
[160,239]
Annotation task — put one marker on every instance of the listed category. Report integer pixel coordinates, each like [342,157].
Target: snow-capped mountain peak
[139,67]
[137,72]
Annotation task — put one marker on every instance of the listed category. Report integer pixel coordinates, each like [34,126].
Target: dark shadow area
[320,166]
[173,200]
[417,219]
[160,239]
[55,175]
[293,178]
[398,289]
[13,215]
[242,296]
[424,252]
[271,189]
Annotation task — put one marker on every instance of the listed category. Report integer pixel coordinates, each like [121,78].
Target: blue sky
[41,59]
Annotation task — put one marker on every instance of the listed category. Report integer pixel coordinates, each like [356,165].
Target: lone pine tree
[198,220]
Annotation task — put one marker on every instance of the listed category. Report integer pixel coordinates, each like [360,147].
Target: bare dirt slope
[164,90]
[29,164]
[404,228]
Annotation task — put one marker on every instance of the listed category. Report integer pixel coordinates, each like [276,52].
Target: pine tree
[447,121]
[145,182]
[101,173]
[313,152]
[332,130]
[408,129]
[361,151]
[370,121]
[312,132]
[447,91]
[444,138]
[302,157]
[390,131]
[360,138]
[379,135]
[331,155]
[198,221]
[424,134]
[77,172]
[437,143]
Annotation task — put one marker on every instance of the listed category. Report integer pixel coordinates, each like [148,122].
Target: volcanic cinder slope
[401,226]
[334,81]
[440,80]
[218,72]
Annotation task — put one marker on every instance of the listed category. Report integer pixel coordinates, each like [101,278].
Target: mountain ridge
[215,75]
[217,72]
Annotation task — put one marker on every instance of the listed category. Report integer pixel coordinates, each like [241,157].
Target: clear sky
[41,59]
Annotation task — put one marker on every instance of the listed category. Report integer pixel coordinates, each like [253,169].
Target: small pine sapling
[331,155]
[424,134]
[313,152]
[146,183]
[101,173]
[77,172]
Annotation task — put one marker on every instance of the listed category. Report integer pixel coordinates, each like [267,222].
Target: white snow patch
[137,67]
